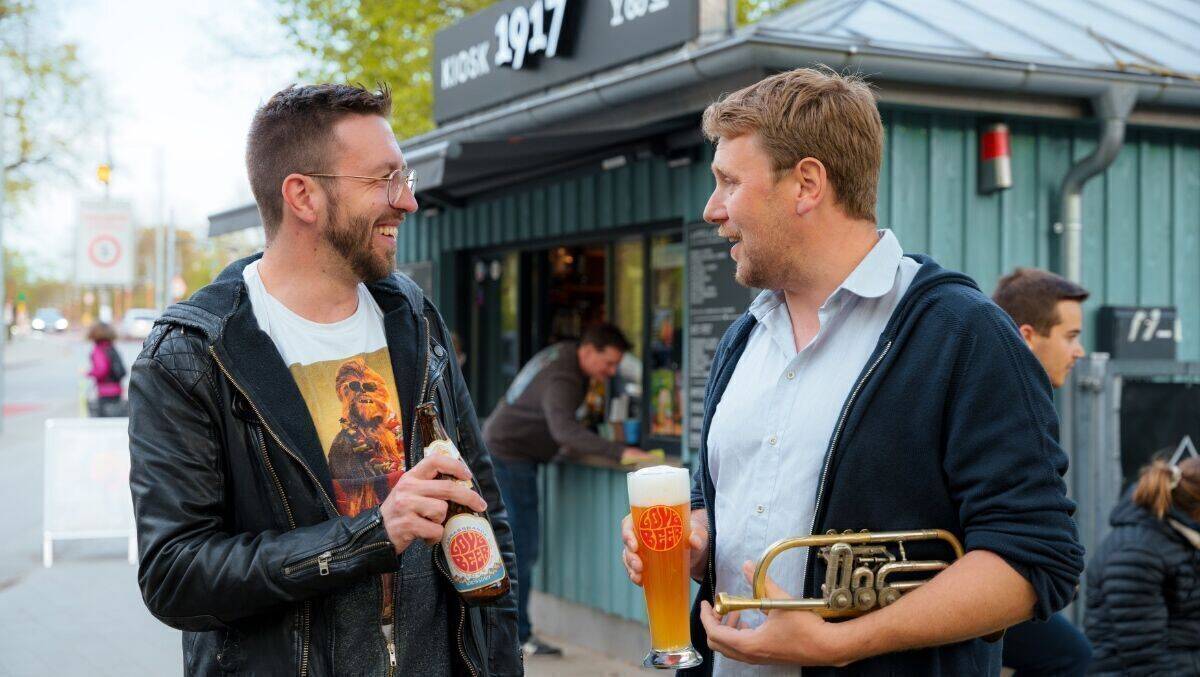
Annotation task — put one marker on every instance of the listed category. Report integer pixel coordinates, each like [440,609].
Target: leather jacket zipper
[389,640]
[347,551]
[287,509]
[307,638]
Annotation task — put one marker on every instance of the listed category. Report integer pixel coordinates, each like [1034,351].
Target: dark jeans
[518,488]
[1052,648]
[108,407]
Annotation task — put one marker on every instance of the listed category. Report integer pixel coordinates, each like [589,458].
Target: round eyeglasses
[397,181]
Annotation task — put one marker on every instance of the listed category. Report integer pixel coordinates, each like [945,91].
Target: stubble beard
[352,241]
[761,271]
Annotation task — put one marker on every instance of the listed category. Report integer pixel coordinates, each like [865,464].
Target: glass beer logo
[660,528]
[469,551]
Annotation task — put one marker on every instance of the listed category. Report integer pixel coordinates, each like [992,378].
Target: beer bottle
[468,543]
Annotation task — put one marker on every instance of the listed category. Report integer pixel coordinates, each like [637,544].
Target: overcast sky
[184,79]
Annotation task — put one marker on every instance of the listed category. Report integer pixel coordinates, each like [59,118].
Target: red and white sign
[995,159]
[104,243]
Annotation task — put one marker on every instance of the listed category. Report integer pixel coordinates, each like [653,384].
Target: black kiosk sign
[715,300]
[519,46]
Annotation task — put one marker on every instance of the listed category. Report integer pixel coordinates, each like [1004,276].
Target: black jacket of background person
[536,417]
[232,494]
[949,426]
[1143,603]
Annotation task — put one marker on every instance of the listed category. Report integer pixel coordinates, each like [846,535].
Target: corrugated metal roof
[1160,37]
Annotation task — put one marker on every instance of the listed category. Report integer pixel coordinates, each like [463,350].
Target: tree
[23,281]
[383,41]
[376,41]
[49,102]
[751,11]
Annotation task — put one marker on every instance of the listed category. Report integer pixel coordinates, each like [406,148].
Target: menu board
[715,300]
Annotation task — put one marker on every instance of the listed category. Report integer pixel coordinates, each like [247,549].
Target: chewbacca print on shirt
[354,408]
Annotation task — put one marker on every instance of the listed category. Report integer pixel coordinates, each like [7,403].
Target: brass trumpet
[858,573]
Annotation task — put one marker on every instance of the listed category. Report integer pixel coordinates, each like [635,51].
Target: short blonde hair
[815,113]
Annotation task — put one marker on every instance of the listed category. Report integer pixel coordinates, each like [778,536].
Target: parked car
[48,320]
[137,323]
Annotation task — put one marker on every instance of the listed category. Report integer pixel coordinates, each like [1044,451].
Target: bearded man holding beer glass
[865,388]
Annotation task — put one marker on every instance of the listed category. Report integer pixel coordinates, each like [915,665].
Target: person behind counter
[534,423]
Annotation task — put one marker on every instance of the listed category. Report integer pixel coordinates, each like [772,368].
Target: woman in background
[1143,604]
[107,370]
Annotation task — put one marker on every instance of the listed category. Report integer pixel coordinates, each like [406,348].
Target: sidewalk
[580,661]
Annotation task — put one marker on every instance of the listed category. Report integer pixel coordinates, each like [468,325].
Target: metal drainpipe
[1112,108]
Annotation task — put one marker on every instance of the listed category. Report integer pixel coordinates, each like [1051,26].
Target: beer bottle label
[472,553]
[660,528]
[447,448]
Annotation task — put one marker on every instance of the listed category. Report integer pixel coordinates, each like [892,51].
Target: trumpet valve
[840,599]
[888,595]
[864,599]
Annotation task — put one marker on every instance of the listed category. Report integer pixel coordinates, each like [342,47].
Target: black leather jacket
[231,491]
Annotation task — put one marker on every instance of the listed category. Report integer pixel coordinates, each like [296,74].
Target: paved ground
[579,661]
[84,616]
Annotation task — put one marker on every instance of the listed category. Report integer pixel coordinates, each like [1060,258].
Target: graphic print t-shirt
[344,373]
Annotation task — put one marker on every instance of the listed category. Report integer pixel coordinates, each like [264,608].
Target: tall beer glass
[659,500]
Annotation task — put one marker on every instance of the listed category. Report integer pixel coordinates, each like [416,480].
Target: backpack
[116,366]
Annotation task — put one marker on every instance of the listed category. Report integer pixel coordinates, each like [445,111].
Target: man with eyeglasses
[288,521]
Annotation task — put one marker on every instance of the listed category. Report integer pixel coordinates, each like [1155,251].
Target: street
[84,615]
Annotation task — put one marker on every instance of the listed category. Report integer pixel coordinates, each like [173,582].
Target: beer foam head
[659,485]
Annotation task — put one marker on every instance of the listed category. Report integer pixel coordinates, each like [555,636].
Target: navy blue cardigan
[951,425]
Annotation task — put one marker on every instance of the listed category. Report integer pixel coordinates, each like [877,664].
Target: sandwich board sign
[86,493]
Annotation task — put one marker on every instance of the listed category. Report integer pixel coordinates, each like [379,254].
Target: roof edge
[763,48]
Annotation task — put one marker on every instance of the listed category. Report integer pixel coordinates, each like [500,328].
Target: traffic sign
[104,244]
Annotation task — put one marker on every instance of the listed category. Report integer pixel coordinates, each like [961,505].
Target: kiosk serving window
[525,299]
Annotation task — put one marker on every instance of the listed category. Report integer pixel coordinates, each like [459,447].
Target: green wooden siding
[1141,245]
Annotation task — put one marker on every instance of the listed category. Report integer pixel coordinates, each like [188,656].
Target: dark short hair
[293,132]
[603,335]
[1031,295]
[101,331]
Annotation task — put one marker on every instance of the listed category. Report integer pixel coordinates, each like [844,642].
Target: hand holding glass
[659,500]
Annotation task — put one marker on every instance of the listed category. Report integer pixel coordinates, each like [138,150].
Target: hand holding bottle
[417,505]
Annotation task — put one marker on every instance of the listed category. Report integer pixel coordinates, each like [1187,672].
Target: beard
[351,238]
[764,269]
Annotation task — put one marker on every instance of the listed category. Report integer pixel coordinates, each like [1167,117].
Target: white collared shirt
[769,435]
